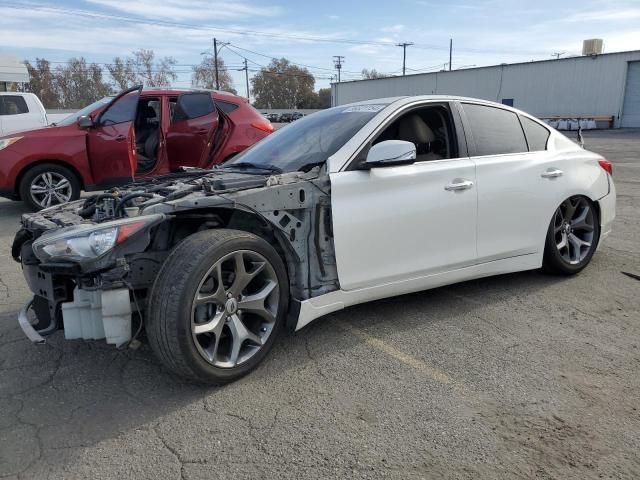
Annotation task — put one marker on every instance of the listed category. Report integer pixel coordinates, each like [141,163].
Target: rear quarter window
[13,105]
[226,107]
[537,135]
[495,131]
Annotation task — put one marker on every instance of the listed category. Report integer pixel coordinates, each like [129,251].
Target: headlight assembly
[84,243]
[8,141]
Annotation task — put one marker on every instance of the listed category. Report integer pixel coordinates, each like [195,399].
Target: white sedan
[351,204]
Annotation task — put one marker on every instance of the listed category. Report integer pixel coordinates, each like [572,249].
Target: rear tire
[572,236]
[217,306]
[48,184]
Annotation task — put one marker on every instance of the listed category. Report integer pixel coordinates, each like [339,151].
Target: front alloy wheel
[48,184]
[50,188]
[234,309]
[572,237]
[217,305]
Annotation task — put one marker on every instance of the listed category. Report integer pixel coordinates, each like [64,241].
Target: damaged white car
[352,204]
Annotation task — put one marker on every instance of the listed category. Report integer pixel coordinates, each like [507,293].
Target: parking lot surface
[516,376]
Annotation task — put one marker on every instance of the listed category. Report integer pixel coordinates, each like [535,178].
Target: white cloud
[613,15]
[393,28]
[181,10]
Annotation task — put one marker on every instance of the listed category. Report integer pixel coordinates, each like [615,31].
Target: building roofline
[577,57]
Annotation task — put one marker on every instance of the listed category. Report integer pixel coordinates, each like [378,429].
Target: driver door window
[124,110]
[430,129]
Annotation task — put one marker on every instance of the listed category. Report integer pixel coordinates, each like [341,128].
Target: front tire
[48,184]
[572,237]
[217,305]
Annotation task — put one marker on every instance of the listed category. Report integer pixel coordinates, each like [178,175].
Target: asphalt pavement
[516,376]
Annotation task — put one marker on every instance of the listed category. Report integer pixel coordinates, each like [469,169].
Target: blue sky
[484,32]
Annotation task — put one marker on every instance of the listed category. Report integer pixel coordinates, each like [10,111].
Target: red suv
[139,133]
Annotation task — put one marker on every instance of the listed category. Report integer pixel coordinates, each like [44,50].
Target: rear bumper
[607,206]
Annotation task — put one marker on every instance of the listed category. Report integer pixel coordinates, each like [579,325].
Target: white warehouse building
[604,87]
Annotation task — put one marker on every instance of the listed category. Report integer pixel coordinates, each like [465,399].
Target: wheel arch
[189,222]
[588,195]
[37,163]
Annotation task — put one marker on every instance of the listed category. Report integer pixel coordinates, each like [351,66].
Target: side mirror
[391,152]
[85,121]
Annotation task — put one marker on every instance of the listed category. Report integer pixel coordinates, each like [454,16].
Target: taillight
[606,165]
[265,126]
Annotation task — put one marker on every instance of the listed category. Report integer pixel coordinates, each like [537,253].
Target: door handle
[203,131]
[551,173]
[459,185]
[120,138]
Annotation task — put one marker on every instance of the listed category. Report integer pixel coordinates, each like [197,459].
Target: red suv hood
[45,132]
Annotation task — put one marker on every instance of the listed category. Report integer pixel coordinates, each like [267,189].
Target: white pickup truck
[21,111]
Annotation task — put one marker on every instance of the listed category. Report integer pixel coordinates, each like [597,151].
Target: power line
[292,62]
[265,69]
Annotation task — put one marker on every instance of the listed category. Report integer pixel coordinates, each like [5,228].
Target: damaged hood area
[171,193]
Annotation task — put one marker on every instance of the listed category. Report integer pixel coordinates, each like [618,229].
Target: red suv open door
[194,122]
[111,141]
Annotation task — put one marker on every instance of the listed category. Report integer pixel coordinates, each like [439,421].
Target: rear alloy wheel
[217,305]
[47,185]
[572,237]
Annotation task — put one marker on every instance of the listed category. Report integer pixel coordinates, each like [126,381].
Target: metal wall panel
[631,105]
[578,86]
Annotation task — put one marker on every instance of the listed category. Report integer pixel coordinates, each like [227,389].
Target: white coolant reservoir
[97,314]
[83,317]
[116,316]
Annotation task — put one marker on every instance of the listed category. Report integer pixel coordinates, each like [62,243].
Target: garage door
[631,105]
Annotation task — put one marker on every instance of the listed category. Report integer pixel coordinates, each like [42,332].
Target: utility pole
[404,55]
[450,52]
[215,61]
[557,55]
[337,62]
[246,76]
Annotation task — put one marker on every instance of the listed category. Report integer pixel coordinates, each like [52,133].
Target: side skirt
[331,302]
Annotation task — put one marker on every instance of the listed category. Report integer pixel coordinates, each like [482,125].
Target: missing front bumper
[92,315]
[27,328]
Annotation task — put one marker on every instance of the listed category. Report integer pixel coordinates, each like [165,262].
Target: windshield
[307,142]
[71,119]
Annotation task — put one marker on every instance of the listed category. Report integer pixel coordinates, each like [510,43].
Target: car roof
[16,93]
[404,100]
[220,94]
[413,98]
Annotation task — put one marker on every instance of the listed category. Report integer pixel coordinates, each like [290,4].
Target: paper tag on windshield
[372,108]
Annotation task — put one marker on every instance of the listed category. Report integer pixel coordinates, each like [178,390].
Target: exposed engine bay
[97,258]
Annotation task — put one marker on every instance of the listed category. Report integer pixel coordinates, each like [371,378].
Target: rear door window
[193,105]
[13,105]
[537,135]
[495,131]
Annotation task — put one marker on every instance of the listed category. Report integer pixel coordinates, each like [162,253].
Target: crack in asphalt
[170,449]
